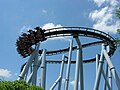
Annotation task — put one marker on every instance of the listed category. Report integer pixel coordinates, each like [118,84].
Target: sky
[17,16]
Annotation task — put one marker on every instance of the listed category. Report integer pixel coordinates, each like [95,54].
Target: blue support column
[99,71]
[26,67]
[112,69]
[61,72]
[43,70]
[79,67]
[35,65]
[106,76]
[68,66]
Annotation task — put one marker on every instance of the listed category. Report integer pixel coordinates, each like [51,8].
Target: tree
[118,30]
[118,13]
[17,85]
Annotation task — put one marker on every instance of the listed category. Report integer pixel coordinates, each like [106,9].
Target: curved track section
[82,31]
[26,41]
[60,51]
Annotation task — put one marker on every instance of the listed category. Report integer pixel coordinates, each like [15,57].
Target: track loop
[26,41]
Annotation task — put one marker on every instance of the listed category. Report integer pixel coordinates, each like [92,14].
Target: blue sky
[16,16]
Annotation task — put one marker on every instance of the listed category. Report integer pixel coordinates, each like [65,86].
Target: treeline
[17,85]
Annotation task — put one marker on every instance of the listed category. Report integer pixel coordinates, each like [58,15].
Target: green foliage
[117,39]
[17,85]
[118,42]
[118,13]
[33,87]
[118,30]
[6,85]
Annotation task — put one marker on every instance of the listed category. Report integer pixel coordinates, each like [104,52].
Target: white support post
[26,75]
[112,68]
[35,65]
[100,68]
[77,70]
[61,72]
[56,82]
[30,78]
[26,67]
[43,70]
[109,72]
[110,79]
[79,67]
[106,76]
[31,75]
[59,80]
[97,63]
[68,66]
[31,69]
[106,81]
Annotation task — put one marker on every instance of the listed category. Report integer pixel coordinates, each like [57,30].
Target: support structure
[110,79]
[112,69]
[99,70]
[68,66]
[79,67]
[35,66]
[59,80]
[38,58]
[43,69]
[61,72]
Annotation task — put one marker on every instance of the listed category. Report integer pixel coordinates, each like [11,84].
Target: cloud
[96,15]
[104,17]
[5,73]
[99,2]
[52,25]
[113,2]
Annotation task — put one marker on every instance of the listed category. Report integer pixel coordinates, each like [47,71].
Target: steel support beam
[106,81]
[43,70]
[61,72]
[59,80]
[99,71]
[77,70]
[26,67]
[68,66]
[56,82]
[112,69]
[31,75]
[106,76]
[35,65]
[97,63]
[79,67]
[110,79]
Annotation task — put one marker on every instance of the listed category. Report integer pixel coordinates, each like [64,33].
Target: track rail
[81,31]
[71,31]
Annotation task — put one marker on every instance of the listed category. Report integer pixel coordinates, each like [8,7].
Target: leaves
[118,30]
[118,42]
[17,85]
[118,13]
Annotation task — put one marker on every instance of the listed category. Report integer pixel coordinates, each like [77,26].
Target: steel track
[79,31]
